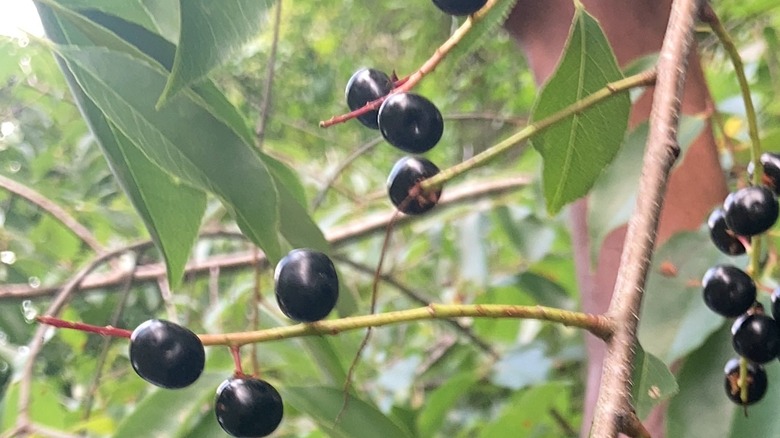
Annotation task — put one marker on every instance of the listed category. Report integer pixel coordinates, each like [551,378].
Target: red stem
[370,106]
[235,351]
[101,330]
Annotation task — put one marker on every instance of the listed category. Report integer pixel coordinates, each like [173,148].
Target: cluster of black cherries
[731,292]
[408,121]
[171,356]
[306,284]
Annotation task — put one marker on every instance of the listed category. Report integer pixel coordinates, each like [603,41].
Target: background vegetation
[505,378]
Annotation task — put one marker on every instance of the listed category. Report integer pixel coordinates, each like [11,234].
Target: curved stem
[427,67]
[599,325]
[54,210]
[643,79]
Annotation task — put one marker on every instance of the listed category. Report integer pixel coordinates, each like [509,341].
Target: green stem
[709,16]
[599,325]
[642,79]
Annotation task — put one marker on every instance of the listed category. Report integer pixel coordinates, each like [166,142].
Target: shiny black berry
[459,7]
[771,164]
[410,122]
[750,210]
[166,354]
[306,285]
[723,238]
[367,85]
[756,337]
[728,290]
[776,304]
[402,185]
[756,382]
[247,407]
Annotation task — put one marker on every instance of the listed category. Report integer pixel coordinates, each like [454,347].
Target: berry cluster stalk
[643,79]
[709,16]
[596,324]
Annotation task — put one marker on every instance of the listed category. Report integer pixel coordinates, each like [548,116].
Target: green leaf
[440,401]
[159,16]
[183,138]
[613,197]
[359,420]
[530,413]
[577,149]
[652,382]
[701,409]
[170,210]
[211,34]
[481,31]
[675,320]
[170,413]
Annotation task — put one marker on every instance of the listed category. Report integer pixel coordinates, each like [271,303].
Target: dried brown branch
[340,236]
[613,409]
[54,210]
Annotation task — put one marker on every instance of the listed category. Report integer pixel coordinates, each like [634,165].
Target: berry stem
[101,330]
[709,16]
[743,380]
[405,84]
[643,79]
[599,325]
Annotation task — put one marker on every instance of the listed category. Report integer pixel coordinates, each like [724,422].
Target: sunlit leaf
[211,33]
[576,150]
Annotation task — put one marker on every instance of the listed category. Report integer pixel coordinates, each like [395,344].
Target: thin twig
[372,310]
[420,299]
[101,360]
[427,67]
[254,311]
[54,210]
[269,78]
[599,325]
[614,408]
[338,237]
[362,149]
[62,298]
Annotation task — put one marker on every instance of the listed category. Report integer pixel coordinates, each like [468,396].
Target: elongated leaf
[675,320]
[170,210]
[489,24]
[701,409]
[170,413]
[440,401]
[576,150]
[652,382]
[183,138]
[360,418]
[211,33]
[297,226]
[159,16]
[531,413]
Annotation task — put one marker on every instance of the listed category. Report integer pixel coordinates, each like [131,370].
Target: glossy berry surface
[750,210]
[771,164]
[402,189]
[728,290]
[367,85]
[410,122]
[776,303]
[247,407]
[306,285]
[723,238]
[166,354]
[756,381]
[756,337]
[459,7]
